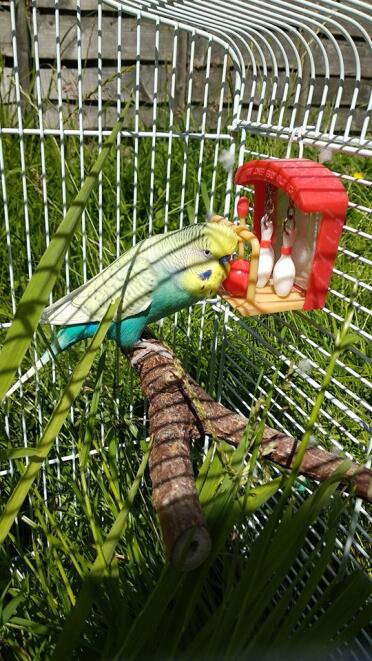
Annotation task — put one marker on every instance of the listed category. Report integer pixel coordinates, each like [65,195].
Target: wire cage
[210,86]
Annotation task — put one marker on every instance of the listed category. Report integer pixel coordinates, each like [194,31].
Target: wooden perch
[180,410]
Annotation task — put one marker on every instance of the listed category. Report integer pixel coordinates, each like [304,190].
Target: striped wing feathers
[131,277]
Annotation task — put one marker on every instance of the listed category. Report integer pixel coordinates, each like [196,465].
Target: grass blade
[54,424]
[100,568]
[351,598]
[36,295]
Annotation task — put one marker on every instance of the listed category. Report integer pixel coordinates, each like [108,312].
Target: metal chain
[269,206]
[290,221]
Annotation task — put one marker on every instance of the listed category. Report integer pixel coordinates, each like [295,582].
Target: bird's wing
[133,281]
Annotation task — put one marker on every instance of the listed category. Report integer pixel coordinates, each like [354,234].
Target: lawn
[61,566]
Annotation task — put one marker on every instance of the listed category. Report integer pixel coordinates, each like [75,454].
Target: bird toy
[296,255]
[236,282]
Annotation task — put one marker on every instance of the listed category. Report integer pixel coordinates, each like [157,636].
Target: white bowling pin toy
[284,272]
[266,258]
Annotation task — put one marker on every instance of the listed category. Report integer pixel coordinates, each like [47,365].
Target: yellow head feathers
[221,237]
[204,254]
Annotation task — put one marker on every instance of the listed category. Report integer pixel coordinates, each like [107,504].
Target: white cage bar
[268,78]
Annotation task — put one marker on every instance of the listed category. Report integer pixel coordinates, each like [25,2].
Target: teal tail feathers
[66,337]
[45,358]
[125,334]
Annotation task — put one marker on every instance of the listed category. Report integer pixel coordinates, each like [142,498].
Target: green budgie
[157,277]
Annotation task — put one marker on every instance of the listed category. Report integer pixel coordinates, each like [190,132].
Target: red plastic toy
[236,282]
[319,202]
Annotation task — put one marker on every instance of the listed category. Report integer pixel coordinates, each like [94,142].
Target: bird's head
[204,255]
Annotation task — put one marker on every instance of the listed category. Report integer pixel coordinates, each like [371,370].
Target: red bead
[236,283]
[243,207]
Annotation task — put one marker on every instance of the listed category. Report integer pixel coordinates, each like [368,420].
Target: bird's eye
[207,253]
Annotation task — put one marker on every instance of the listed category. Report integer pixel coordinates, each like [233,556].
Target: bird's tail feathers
[45,358]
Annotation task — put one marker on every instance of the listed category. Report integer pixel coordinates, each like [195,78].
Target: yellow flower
[358,175]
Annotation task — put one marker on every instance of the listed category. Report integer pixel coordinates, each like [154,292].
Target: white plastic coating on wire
[335,401]
[41,123]
[187,126]
[283,58]
[210,18]
[118,192]
[154,124]
[218,130]
[185,151]
[171,127]
[301,395]
[354,327]
[172,16]
[7,226]
[355,256]
[293,405]
[81,134]
[21,140]
[346,35]
[23,177]
[10,261]
[358,232]
[136,128]
[277,422]
[187,17]
[89,133]
[63,184]
[199,172]
[346,276]
[359,402]
[99,118]
[118,139]
[203,127]
[61,129]
[44,194]
[302,338]
[285,15]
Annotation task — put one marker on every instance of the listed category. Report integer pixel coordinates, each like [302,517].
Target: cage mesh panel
[273,79]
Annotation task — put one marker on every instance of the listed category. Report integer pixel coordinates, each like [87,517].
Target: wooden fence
[95,87]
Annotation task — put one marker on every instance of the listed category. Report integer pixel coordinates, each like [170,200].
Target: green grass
[57,581]
[94,579]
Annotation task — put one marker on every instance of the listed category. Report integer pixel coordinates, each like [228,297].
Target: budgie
[155,278]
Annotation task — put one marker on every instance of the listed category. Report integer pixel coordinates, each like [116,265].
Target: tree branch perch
[180,410]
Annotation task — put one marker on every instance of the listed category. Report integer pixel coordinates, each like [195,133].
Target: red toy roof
[311,186]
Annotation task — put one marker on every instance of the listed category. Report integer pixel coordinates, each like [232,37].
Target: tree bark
[180,410]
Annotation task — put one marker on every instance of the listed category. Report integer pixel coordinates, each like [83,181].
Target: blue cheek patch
[206,275]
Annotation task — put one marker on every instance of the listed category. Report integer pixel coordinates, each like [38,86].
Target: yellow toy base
[266,301]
